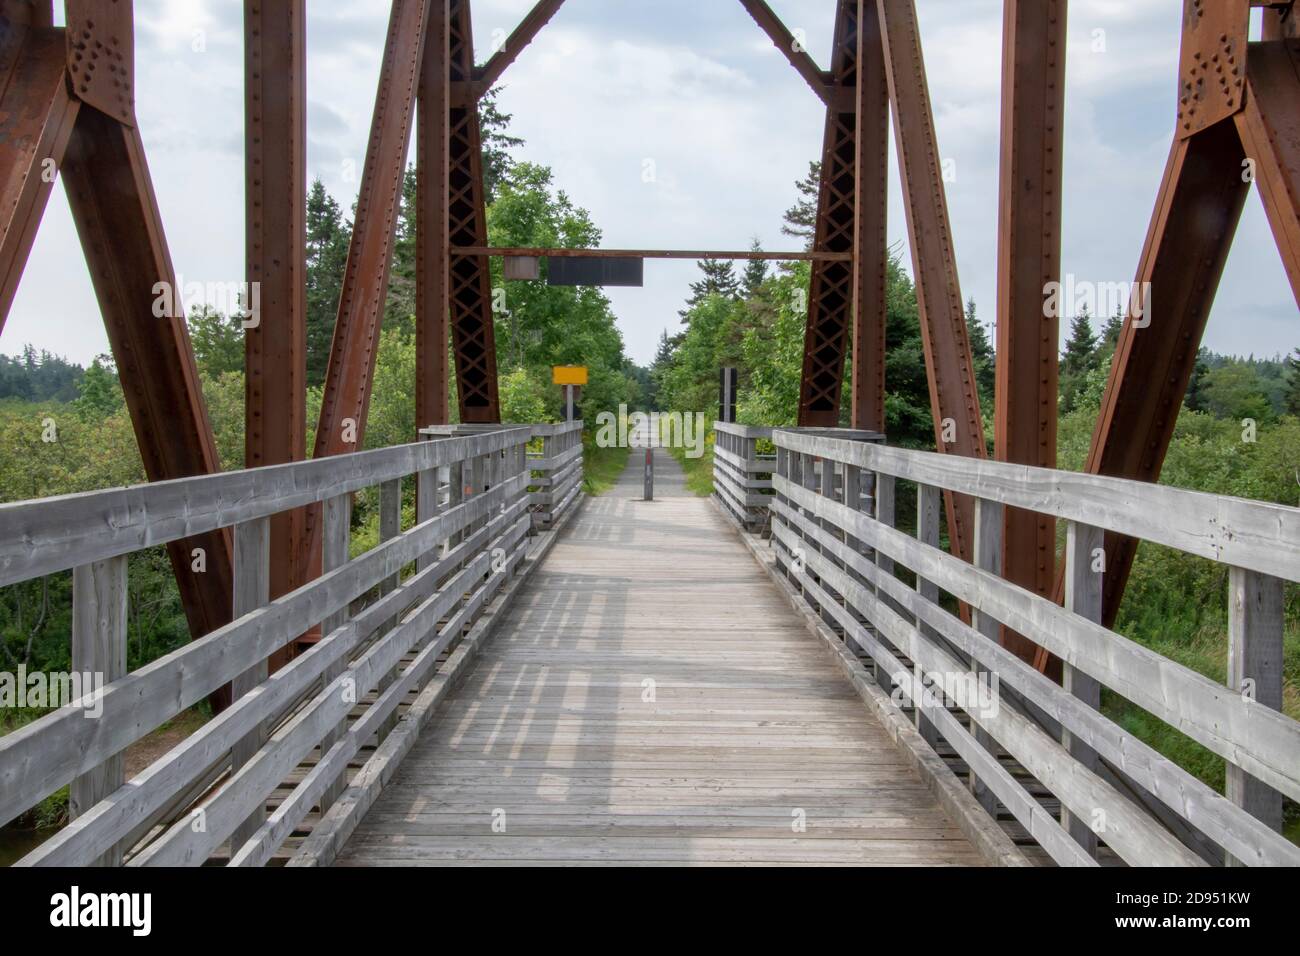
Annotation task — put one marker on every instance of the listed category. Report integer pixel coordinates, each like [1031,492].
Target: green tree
[1291,400]
[328,236]
[983,356]
[99,392]
[1235,391]
[1079,359]
[754,274]
[719,279]
[801,218]
[218,341]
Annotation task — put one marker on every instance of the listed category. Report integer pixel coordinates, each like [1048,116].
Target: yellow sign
[569,374]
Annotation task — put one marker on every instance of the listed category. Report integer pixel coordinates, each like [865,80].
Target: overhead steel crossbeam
[1237,121]
[1029,261]
[67,107]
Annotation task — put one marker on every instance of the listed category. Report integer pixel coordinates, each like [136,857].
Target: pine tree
[719,279]
[801,218]
[1080,358]
[328,236]
[1291,400]
[984,358]
[1195,397]
[755,272]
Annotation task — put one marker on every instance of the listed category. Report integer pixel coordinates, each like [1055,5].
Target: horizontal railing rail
[387,616]
[557,472]
[742,477]
[833,531]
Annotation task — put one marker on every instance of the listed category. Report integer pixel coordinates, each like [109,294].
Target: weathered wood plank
[1183,793]
[618,682]
[54,534]
[99,634]
[1255,535]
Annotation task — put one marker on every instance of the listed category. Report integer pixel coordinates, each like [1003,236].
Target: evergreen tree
[801,218]
[1291,398]
[1195,398]
[1111,330]
[755,272]
[496,143]
[719,279]
[99,392]
[218,342]
[982,354]
[1079,359]
[328,236]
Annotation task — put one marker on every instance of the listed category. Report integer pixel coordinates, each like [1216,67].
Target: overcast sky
[696,87]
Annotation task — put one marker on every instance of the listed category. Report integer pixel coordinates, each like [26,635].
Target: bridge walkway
[651,698]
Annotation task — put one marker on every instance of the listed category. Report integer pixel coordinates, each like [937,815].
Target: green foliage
[1079,360]
[99,393]
[1236,390]
[218,341]
[38,377]
[328,236]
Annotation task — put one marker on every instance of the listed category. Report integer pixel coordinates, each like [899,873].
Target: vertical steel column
[1029,260]
[870,238]
[831,289]
[275,344]
[472,329]
[431,247]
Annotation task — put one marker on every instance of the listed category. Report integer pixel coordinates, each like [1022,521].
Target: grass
[699,471]
[601,466]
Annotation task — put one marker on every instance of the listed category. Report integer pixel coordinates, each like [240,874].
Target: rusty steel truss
[67,108]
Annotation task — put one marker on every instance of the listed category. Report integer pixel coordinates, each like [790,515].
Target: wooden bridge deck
[624,713]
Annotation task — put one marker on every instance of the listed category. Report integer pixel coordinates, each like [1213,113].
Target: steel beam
[871,218]
[490,73]
[348,378]
[37,115]
[954,401]
[431,244]
[1269,127]
[831,291]
[116,213]
[1196,216]
[473,333]
[275,344]
[818,81]
[1029,261]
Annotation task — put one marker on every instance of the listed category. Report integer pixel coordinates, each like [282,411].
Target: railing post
[884,513]
[99,594]
[426,506]
[987,557]
[390,526]
[1083,596]
[1255,648]
[827,490]
[927,532]
[252,574]
[336,540]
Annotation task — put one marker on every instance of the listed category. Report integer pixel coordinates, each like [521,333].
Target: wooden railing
[742,477]
[556,471]
[388,617]
[834,536]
